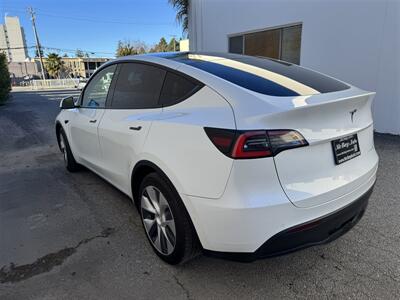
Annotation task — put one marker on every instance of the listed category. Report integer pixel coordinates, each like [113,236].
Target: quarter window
[176,88]
[138,86]
[95,94]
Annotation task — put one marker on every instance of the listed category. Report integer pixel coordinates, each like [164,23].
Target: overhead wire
[59,49]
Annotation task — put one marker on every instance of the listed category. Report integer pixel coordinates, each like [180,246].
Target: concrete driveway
[71,236]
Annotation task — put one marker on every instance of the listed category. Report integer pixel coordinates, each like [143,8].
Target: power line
[88,19]
[16,48]
[104,21]
[74,50]
[59,49]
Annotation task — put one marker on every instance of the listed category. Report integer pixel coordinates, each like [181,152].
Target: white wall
[16,39]
[184,45]
[357,41]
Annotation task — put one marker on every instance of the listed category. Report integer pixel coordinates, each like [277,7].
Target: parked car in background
[238,156]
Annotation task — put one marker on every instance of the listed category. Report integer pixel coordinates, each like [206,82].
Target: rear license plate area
[345,148]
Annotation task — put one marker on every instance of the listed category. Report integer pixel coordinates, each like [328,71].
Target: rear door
[126,122]
[83,126]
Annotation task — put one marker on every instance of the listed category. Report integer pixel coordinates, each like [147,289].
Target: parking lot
[69,236]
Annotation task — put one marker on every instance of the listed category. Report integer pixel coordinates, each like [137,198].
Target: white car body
[236,205]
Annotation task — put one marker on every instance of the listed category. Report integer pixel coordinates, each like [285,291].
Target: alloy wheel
[158,220]
[63,149]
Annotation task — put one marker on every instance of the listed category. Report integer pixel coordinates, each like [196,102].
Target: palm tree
[54,64]
[182,10]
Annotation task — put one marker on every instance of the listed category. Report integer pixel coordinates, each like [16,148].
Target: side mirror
[67,103]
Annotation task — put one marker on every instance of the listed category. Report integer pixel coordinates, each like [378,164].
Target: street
[71,236]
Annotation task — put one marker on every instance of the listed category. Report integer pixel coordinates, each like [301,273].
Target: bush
[5,82]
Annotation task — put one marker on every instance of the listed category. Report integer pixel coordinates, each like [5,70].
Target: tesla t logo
[352,114]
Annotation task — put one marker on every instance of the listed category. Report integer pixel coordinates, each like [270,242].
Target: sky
[94,26]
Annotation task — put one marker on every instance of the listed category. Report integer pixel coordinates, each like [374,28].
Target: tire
[69,160]
[166,222]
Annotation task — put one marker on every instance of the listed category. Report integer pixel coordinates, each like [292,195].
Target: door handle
[93,121]
[135,128]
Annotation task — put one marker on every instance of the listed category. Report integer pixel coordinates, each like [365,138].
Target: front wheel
[166,221]
[69,159]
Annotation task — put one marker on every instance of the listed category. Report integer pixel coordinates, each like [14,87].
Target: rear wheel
[69,159]
[166,221]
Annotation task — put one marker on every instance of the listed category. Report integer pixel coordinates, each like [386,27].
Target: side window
[95,94]
[176,88]
[138,86]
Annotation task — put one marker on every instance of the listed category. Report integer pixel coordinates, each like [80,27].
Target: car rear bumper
[318,231]
[252,214]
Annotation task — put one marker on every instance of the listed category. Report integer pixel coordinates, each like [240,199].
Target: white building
[184,45]
[12,36]
[353,40]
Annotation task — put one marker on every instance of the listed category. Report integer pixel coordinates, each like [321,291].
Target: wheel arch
[58,129]
[140,170]
[145,167]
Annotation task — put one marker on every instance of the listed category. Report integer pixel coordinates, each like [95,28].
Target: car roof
[258,74]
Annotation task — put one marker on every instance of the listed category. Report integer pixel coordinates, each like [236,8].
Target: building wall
[184,45]
[12,36]
[21,71]
[353,40]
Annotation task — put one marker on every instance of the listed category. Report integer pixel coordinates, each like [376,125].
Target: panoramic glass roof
[262,75]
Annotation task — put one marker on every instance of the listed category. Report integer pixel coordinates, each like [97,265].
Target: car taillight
[239,144]
[251,144]
[285,139]
[221,138]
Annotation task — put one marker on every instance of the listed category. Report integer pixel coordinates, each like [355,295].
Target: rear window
[265,76]
[176,89]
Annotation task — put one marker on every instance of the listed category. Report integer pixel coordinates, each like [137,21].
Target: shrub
[5,82]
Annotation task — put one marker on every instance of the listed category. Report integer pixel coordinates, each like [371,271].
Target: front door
[88,116]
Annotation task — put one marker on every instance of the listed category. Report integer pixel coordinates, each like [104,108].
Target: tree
[5,82]
[79,53]
[182,10]
[173,45]
[126,47]
[65,55]
[53,64]
[162,46]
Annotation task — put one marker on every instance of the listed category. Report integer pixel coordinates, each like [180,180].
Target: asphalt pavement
[74,236]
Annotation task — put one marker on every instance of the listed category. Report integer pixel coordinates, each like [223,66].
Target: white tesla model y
[237,156]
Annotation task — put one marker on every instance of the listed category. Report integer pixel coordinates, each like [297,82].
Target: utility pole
[39,49]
